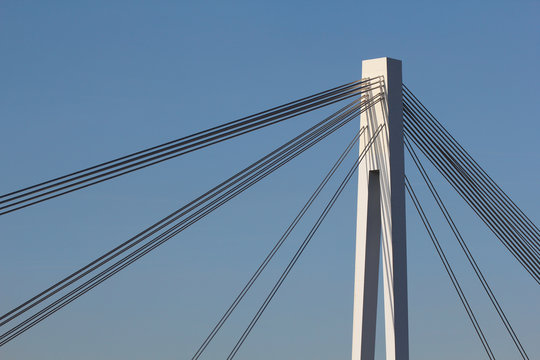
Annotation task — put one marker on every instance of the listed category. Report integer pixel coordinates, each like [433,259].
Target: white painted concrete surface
[386,156]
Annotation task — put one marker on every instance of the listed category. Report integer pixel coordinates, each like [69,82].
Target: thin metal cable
[179,148]
[96,280]
[466,190]
[452,148]
[466,250]
[193,204]
[489,194]
[341,87]
[199,140]
[292,144]
[303,245]
[490,216]
[525,223]
[475,164]
[448,269]
[277,246]
[481,197]
[490,220]
[118,172]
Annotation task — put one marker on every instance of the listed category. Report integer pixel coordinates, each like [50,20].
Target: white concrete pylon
[385,156]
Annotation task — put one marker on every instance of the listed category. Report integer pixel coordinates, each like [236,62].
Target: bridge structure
[394,124]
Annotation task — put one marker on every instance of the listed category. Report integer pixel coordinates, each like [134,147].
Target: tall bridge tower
[381,221]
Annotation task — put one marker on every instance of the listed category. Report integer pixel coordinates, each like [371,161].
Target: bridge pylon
[380,226]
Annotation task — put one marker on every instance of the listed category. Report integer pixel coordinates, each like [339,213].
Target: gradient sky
[83,82]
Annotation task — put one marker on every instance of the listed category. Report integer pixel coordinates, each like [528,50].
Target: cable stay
[466,250]
[508,228]
[212,193]
[277,246]
[304,244]
[449,270]
[482,195]
[512,227]
[491,218]
[168,227]
[490,189]
[81,179]
[457,165]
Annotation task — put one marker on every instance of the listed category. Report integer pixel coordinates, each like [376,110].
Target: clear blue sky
[83,82]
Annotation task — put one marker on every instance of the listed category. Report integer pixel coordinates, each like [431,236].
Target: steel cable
[514,242]
[303,246]
[490,219]
[459,172]
[298,140]
[96,280]
[182,211]
[491,189]
[449,270]
[466,250]
[276,247]
[142,159]
[470,175]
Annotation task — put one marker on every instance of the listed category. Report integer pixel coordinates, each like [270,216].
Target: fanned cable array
[93,175]
[449,270]
[421,131]
[494,207]
[303,245]
[515,230]
[60,294]
[466,251]
[277,246]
